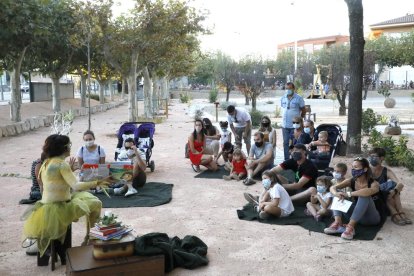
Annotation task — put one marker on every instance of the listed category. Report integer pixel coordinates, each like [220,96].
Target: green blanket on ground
[189,252]
[214,175]
[150,195]
[298,217]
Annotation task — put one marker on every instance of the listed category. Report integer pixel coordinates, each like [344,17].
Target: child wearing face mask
[225,133]
[274,200]
[320,203]
[238,169]
[267,130]
[299,136]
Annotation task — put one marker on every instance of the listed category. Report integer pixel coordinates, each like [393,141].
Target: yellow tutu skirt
[49,221]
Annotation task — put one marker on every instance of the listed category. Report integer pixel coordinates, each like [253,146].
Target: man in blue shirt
[292,106]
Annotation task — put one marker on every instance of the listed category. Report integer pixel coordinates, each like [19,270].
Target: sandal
[397,221]
[196,168]
[405,219]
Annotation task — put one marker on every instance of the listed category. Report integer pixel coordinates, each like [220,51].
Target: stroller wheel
[152,165]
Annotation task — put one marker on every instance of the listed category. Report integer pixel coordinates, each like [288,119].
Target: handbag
[341,147]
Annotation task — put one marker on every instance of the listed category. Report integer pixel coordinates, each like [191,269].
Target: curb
[36,122]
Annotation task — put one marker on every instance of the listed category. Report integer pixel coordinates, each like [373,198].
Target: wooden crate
[80,261]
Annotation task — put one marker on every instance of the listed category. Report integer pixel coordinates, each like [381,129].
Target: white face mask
[337,175]
[198,129]
[89,143]
[130,152]
[296,126]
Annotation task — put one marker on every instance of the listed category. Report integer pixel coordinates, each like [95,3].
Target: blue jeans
[364,212]
[287,133]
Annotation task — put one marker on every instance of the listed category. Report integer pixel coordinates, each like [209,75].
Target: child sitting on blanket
[227,153]
[321,201]
[274,201]
[238,170]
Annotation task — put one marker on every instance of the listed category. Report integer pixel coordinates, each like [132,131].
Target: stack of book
[109,232]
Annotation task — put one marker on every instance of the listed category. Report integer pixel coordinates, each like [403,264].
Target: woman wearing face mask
[90,153]
[197,144]
[267,130]
[274,200]
[299,136]
[309,128]
[390,186]
[367,209]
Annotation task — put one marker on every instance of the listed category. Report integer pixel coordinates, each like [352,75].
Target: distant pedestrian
[293,106]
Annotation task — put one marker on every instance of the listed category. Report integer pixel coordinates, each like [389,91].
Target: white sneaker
[263,215]
[32,248]
[131,191]
[118,191]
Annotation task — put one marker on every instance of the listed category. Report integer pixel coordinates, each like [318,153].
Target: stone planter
[392,130]
[389,102]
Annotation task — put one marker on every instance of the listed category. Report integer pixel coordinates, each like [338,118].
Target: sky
[242,27]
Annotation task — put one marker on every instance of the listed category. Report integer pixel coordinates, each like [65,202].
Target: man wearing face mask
[305,174]
[260,158]
[292,105]
[241,125]
[129,151]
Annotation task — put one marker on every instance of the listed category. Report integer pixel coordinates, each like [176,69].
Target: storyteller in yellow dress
[49,218]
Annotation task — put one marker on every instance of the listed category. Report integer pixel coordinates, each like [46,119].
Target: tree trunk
[147,93]
[102,85]
[253,102]
[341,96]
[55,93]
[16,94]
[356,63]
[156,93]
[164,88]
[83,87]
[124,82]
[246,99]
[111,90]
[228,89]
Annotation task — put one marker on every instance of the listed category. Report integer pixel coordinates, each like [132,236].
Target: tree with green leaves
[52,52]
[225,71]
[21,23]
[251,78]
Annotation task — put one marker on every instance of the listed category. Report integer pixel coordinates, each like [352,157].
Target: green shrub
[384,90]
[256,117]
[93,97]
[212,95]
[270,102]
[198,114]
[412,97]
[225,104]
[369,120]
[398,154]
[383,119]
[184,97]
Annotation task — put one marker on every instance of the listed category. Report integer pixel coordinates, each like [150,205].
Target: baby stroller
[334,139]
[143,139]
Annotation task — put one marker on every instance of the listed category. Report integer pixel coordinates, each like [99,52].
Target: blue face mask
[266,183]
[337,175]
[321,189]
[224,129]
[289,92]
[357,173]
[306,130]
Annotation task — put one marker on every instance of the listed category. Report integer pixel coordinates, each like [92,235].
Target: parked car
[24,88]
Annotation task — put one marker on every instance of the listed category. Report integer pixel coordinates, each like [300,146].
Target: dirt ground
[202,207]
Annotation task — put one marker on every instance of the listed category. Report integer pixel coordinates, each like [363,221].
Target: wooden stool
[56,248]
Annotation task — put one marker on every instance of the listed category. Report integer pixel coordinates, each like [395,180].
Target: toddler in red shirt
[238,170]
